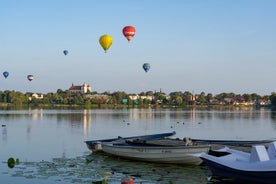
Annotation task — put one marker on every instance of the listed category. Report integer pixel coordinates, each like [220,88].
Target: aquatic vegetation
[103,169]
[11,162]
[17,161]
[100,182]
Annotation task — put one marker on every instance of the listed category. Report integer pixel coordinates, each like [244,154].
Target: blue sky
[212,46]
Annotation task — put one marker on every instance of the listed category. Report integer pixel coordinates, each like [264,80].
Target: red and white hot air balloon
[129,32]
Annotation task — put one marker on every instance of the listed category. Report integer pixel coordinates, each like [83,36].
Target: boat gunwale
[125,145]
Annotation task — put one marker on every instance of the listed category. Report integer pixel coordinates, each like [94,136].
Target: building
[137,97]
[85,88]
[38,96]
[100,98]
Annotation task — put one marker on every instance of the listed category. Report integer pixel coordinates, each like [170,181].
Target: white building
[137,97]
[38,96]
[85,88]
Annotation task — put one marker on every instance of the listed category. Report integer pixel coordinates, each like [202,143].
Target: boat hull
[258,166]
[219,170]
[96,145]
[184,155]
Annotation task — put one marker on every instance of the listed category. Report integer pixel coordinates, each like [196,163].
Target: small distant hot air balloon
[105,41]
[129,32]
[30,77]
[5,74]
[146,67]
[65,52]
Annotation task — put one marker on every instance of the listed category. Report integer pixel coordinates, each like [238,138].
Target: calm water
[50,143]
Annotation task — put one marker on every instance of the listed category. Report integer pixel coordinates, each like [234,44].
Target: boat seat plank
[272,150]
[159,142]
[258,154]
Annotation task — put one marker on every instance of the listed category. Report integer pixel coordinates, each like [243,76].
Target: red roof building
[85,88]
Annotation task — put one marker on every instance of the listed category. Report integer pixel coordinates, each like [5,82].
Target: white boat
[96,145]
[171,153]
[258,166]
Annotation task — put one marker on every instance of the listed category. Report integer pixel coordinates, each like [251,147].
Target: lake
[50,143]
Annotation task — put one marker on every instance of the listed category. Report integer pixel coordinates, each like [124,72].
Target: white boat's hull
[242,166]
[185,155]
[240,161]
[96,145]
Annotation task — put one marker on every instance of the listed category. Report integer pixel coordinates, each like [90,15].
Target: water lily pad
[11,162]
[100,182]
[17,161]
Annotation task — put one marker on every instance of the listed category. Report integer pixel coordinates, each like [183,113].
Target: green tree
[87,104]
[119,96]
[201,98]
[17,98]
[209,97]
[161,97]
[273,99]
[179,100]
[255,96]
[174,100]
[77,99]
[247,97]
[141,101]
[150,93]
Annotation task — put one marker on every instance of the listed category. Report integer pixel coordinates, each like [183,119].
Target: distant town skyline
[199,46]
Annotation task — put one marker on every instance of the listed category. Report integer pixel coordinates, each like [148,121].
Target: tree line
[64,97]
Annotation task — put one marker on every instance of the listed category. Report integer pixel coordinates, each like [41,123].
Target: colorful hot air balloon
[129,32]
[30,77]
[146,67]
[105,41]
[5,74]
[65,52]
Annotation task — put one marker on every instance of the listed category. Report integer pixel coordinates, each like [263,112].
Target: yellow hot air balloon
[105,41]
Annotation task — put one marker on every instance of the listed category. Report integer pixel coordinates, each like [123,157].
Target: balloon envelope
[105,41]
[146,67]
[5,74]
[65,52]
[129,32]
[30,77]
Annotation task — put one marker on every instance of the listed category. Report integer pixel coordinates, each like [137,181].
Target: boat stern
[95,146]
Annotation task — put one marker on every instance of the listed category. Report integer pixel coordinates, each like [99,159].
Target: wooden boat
[96,145]
[164,152]
[258,166]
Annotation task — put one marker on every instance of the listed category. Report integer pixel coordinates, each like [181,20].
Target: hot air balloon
[65,52]
[105,41]
[30,77]
[5,74]
[146,67]
[129,32]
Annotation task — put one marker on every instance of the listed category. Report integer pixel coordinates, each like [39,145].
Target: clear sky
[212,46]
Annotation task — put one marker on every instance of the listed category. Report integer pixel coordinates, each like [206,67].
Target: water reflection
[273,114]
[4,133]
[82,120]
[191,114]
[29,131]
